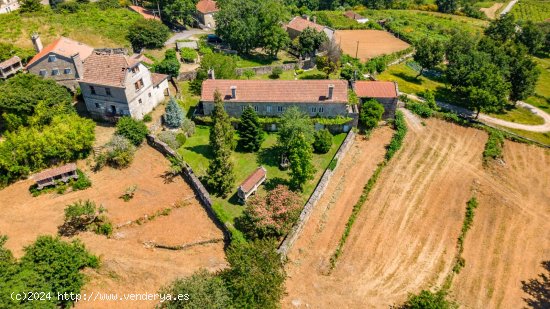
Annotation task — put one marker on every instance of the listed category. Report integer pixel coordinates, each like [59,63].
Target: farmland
[367,44]
[409,225]
[535,10]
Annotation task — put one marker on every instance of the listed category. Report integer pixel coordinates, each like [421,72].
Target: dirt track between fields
[491,12]
[404,239]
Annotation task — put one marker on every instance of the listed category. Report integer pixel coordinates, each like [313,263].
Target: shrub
[170,64]
[299,71]
[148,34]
[494,145]
[174,115]
[397,140]
[83,182]
[323,141]
[171,139]
[119,152]
[108,4]
[371,113]
[332,165]
[276,72]
[188,54]
[85,215]
[188,127]
[249,73]
[420,109]
[181,138]
[147,118]
[132,129]
[67,7]
[129,193]
[313,76]
[427,299]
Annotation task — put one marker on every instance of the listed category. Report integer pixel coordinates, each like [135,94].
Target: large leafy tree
[503,28]
[371,113]
[293,123]
[301,166]
[256,276]
[523,75]
[170,64]
[323,141]
[148,34]
[179,11]
[132,129]
[429,54]
[222,65]
[251,134]
[532,36]
[310,40]
[174,115]
[221,177]
[447,6]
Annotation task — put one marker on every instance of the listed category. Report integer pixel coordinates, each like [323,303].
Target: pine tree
[220,171]
[251,134]
[301,168]
[174,114]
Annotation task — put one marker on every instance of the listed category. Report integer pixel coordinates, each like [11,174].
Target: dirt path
[508,7]
[491,12]
[404,237]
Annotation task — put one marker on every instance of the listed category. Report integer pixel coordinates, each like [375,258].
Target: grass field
[91,25]
[197,153]
[535,10]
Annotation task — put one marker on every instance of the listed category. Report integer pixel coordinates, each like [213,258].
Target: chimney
[211,74]
[330,91]
[233,92]
[306,17]
[36,42]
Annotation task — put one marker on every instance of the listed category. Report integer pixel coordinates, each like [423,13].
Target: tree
[310,40]
[179,11]
[256,275]
[272,215]
[119,153]
[293,123]
[447,6]
[523,76]
[134,130]
[325,64]
[503,28]
[85,215]
[170,64]
[323,141]
[276,72]
[300,157]
[188,127]
[220,171]
[174,114]
[371,113]
[205,290]
[28,6]
[222,65]
[249,73]
[148,34]
[429,300]
[251,134]
[532,37]
[430,100]
[429,54]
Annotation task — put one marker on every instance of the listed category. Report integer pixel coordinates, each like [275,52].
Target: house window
[321,109]
[92,89]
[139,84]
[256,108]
[280,109]
[97,105]
[140,101]
[67,71]
[269,109]
[55,71]
[43,72]
[52,58]
[135,70]
[108,91]
[314,109]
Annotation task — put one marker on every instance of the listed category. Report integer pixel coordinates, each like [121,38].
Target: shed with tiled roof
[205,13]
[298,24]
[385,92]
[251,184]
[52,176]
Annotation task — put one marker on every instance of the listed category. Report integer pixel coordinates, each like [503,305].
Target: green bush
[108,4]
[83,182]
[332,164]
[188,127]
[188,54]
[323,141]
[313,76]
[171,139]
[276,72]
[181,138]
[147,118]
[494,145]
[397,140]
[119,152]
[420,109]
[371,113]
[148,34]
[132,129]
[174,114]
[428,300]
[170,65]
[85,215]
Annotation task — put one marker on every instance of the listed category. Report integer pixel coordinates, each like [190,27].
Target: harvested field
[492,11]
[128,264]
[372,43]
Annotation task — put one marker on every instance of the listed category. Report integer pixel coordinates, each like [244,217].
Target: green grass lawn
[406,79]
[519,115]
[197,153]
[535,10]
[257,59]
[90,25]
[188,100]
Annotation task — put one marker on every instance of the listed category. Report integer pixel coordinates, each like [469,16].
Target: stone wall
[267,69]
[289,240]
[192,179]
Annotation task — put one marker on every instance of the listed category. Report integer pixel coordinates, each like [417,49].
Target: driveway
[495,121]
[509,7]
[183,35]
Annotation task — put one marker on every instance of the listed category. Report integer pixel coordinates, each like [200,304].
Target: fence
[188,174]
[289,240]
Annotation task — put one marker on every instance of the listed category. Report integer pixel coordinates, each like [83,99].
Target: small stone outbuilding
[54,175]
[386,93]
[251,184]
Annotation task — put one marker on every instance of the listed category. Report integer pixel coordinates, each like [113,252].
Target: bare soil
[128,264]
[492,11]
[372,43]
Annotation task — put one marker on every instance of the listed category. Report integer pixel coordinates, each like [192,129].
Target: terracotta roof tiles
[65,47]
[107,69]
[52,172]
[376,89]
[300,24]
[207,6]
[253,179]
[13,60]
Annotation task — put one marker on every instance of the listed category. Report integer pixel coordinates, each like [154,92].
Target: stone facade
[390,105]
[207,19]
[64,70]
[235,109]
[104,101]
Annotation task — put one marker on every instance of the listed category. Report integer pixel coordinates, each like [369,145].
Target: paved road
[495,121]
[509,7]
[184,35]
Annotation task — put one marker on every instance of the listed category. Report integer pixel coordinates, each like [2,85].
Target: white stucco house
[115,85]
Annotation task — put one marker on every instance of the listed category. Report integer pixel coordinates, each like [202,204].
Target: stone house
[116,85]
[206,9]
[299,24]
[358,18]
[61,61]
[10,67]
[323,98]
[386,93]
[7,6]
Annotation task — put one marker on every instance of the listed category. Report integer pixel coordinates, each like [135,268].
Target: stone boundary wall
[192,179]
[267,69]
[289,240]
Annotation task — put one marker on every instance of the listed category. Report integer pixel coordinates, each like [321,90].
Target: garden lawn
[197,153]
[519,115]
[90,25]
[257,59]
[289,75]
[406,79]
[188,100]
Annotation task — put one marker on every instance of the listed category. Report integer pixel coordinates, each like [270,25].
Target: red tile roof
[300,24]
[376,89]
[353,15]
[65,47]
[207,6]
[13,60]
[142,58]
[158,78]
[107,69]
[52,172]
[253,180]
[276,91]
[143,12]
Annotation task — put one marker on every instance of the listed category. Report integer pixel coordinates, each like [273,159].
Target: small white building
[7,6]
[206,9]
[116,85]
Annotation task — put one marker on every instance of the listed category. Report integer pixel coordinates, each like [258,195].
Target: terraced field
[535,10]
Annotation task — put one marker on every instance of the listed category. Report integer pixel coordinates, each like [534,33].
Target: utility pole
[357,49]
[158,7]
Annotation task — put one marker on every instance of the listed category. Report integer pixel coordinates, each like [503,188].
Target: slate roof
[52,172]
[207,6]
[7,63]
[276,91]
[107,69]
[253,179]
[65,47]
[376,89]
[300,24]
